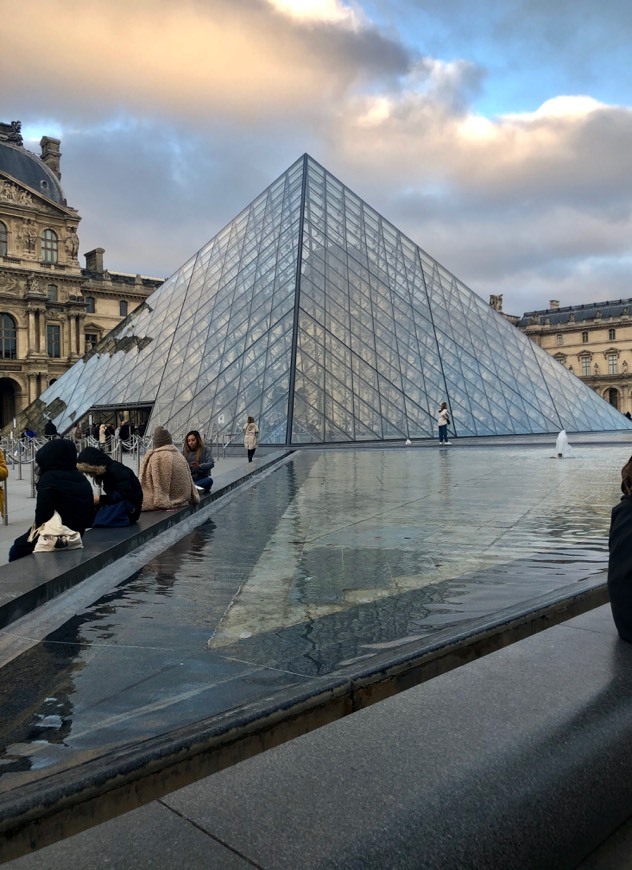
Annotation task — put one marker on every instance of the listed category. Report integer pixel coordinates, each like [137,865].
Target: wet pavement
[315,567]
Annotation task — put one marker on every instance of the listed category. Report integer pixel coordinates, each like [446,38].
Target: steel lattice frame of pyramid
[316,316]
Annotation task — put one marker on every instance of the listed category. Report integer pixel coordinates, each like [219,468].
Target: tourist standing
[250,437]
[50,430]
[443,420]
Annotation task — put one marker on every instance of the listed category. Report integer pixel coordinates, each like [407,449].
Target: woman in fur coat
[165,477]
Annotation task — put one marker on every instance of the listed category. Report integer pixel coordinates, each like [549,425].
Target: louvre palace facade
[314,314]
[51,309]
[594,341]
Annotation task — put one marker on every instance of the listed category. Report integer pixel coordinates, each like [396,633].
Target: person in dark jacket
[60,488]
[117,480]
[200,460]
[50,430]
[620,561]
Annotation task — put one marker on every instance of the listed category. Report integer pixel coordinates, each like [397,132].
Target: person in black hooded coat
[620,561]
[62,488]
[117,480]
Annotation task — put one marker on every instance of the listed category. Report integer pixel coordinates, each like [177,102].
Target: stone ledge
[63,804]
[34,580]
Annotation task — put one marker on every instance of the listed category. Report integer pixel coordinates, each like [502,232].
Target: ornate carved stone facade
[51,309]
[593,340]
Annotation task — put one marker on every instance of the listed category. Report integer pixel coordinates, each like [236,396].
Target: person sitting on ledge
[620,561]
[200,460]
[119,482]
[165,477]
[62,488]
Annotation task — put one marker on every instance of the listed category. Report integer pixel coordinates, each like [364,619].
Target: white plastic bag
[54,535]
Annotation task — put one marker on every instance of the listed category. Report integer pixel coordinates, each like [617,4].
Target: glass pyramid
[315,315]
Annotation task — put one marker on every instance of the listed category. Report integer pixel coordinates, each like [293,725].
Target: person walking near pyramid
[250,437]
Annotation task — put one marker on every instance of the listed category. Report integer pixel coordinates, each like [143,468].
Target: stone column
[81,336]
[43,348]
[32,389]
[32,340]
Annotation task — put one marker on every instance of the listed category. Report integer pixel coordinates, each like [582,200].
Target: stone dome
[26,167]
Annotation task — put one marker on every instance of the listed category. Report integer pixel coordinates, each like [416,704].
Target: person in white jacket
[250,437]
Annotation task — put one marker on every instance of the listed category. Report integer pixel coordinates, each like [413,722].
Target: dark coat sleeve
[67,492]
[121,483]
[620,567]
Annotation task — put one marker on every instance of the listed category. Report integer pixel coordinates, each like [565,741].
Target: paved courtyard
[333,557]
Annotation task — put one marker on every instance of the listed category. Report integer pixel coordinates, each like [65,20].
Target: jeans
[205,482]
[443,434]
[251,453]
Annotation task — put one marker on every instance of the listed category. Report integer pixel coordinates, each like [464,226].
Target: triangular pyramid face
[315,315]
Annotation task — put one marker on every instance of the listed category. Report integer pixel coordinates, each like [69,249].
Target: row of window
[559,338]
[8,338]
[613,365]
[91,306]
[585,361]
[49,244]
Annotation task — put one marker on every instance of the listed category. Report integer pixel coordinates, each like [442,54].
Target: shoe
[448,442]
[200,488]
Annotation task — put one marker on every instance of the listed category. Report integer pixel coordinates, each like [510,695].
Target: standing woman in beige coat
[250,437]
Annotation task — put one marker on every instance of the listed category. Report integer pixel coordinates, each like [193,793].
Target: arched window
[7,337]
[584,337]
[52,292]
[3,239]
[123,308]
[49,246]
[612,334]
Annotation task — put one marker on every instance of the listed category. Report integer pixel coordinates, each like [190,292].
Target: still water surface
[334,557]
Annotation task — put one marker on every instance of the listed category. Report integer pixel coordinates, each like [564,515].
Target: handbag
[112,515]
[54,535]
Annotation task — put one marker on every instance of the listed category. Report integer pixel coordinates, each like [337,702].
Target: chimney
[51,155]
[554,305]
[94,260]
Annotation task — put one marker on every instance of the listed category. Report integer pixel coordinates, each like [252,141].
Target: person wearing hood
[620,557]
[165,477]
[118,482]
[62,488]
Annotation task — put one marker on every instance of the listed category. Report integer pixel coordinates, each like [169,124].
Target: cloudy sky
[497,135]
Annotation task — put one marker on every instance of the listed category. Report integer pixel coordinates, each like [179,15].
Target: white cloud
[318,10]
[172,122]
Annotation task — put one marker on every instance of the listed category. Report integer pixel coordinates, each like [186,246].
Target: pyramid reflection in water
[317,316]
